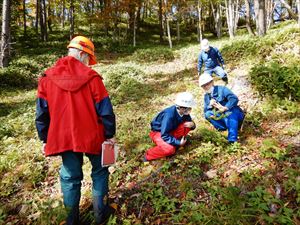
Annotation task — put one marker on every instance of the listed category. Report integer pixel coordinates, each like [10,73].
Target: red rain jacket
[69,91]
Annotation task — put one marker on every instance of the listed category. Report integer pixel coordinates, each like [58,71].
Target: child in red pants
[170,126]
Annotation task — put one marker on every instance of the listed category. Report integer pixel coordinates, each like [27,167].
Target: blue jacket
[222,95]
[167,121]
[211,59]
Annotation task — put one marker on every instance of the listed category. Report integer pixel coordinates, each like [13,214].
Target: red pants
[162,148]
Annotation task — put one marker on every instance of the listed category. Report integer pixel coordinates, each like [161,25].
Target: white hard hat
[185,99]
[204,79]
[204,44]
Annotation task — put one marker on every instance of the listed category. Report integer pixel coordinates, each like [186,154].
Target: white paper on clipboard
[109,154]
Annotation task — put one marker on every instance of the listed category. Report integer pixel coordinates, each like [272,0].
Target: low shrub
[24,71]
[276,79]
[153,55]
[125,83]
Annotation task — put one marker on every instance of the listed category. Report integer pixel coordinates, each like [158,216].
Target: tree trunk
[138,16]
[63,13]
[298,8]
[42,28]
[169,32]
[145,10]
[270,6]
[178,20]
[92,15]
[216,10]
[178,29]
[37,15]
[199,8]
[261,18]
[161,32]
[24,18]
[256,7]
[71,19]
[134,30]
[5,34]
[49,17]
[230,17]
[248,18]
[45,20]
[168,24]
[289,9]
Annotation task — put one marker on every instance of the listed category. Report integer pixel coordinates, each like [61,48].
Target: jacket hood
[70,74]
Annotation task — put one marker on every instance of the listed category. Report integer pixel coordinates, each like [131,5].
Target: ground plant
[210,181]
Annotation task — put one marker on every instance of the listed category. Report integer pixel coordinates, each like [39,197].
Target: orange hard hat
[86,45]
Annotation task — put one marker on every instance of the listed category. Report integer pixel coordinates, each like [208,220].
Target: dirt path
[240,85]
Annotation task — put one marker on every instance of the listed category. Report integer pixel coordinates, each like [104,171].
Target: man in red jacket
[74,116]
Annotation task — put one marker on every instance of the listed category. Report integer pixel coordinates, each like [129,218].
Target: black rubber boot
[102,210]
[73,215]
[225,79]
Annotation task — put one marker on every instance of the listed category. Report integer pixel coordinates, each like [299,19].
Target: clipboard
[109,154]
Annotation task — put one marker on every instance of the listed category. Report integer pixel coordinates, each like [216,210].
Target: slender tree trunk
[169,32]
[49,16]
[71,19]
[134,30]
[232,15]
[92,15]
[138,16]
[42,21]
[178,29]
[199,8]
[178,20]
[24,18]
[45,20]
[37,15]
[270,6]
[236,14]
[161,32]
[248,18]
[145,10]
[229,16]
[216,10]
[261,18]
[5,34]
[63,13]
[165,29]
[168,24]
[298,8]
[256,7]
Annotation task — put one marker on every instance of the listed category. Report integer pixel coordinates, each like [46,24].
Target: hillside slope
[255,181]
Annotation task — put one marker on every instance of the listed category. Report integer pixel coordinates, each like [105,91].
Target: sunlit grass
[241,188]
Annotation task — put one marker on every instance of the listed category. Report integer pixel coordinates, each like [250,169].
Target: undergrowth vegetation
[151,55]
[255,181]
[275,59]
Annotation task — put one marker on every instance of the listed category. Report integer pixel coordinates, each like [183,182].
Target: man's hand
[182,141]
[220,107]
[212,102]
[112,140]
[224,67]
[189,124]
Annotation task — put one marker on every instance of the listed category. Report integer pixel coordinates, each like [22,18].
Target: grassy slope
[207,182]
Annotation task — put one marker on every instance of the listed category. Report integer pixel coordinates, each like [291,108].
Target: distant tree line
[122,19]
